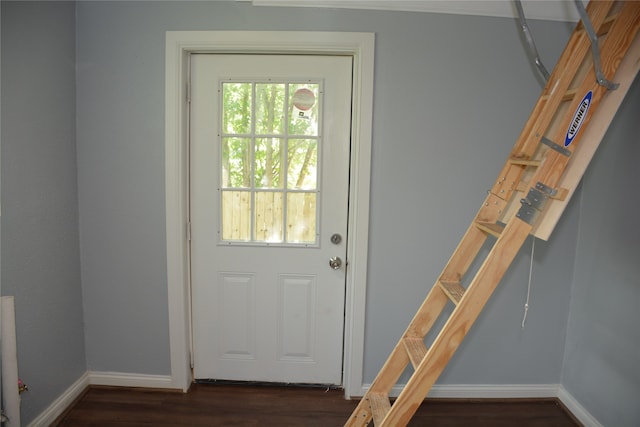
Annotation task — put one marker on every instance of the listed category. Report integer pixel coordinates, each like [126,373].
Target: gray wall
[451,95]
[449,105]
[40,254]
[603,341]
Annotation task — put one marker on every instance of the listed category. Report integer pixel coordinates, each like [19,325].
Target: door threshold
[267,384]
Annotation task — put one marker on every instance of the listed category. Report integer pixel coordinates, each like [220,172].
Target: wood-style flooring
[254,405]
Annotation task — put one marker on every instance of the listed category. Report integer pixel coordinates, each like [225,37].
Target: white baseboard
[483,391]
[577,409]
[497,391]
[506,391]
[120,379]
[49,415]
[117,379]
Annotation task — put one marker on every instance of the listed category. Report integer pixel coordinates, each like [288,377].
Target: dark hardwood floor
[247,405]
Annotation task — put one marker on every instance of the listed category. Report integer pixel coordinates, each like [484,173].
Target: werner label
[578,118]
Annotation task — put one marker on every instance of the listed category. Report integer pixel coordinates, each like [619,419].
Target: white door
[269,170]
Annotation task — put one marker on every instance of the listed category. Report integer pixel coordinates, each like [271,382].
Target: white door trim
[179,44]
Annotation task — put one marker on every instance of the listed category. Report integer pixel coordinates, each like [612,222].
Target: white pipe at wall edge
[9,360]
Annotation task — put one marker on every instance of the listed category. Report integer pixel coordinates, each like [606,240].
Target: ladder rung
[380,406]
[561,193]
[524,162]
[604,28]
[568,95]
[415,349]
[491,228]
[453,290]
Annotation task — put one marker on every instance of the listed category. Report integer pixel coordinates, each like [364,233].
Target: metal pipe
[532,51]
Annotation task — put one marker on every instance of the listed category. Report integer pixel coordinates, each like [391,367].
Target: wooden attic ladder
[527,198]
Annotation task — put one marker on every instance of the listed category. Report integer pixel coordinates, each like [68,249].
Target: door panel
[266,197]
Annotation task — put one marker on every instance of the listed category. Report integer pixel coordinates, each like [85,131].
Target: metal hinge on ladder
[535,202]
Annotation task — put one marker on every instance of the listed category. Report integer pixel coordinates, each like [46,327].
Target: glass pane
[268,225]
[236,215]
[303,109]
[268,163]
[259,159]
[270,108]
[236,108]
[236,162]
[301,217]
[302,164]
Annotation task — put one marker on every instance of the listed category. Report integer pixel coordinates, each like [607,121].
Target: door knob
[335,263]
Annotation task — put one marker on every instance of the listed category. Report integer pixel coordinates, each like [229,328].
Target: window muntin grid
[269,162]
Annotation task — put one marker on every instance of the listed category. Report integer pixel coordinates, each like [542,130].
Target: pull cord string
[526,304]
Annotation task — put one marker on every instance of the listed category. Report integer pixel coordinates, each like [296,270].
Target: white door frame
[179,44]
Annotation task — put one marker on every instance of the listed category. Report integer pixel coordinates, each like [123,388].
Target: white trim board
[482,391]
[577,409]
[179,44]
[533,9]
[64,401]
[117,379]
[505,391]
[121,379]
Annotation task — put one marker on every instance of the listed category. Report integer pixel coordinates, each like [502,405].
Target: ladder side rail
[595,49]
[620,37]
[422,322]
[493,268]
[455,269]
[593,135]
[467,250]
[619,34]
[622,29]
[551,97]
[387,377]
[463,256]
[577,48]
[459,323]
[428,312]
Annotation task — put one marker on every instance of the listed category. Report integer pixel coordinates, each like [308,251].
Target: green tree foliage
[274,117]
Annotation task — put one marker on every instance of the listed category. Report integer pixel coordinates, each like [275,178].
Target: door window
[269,162]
